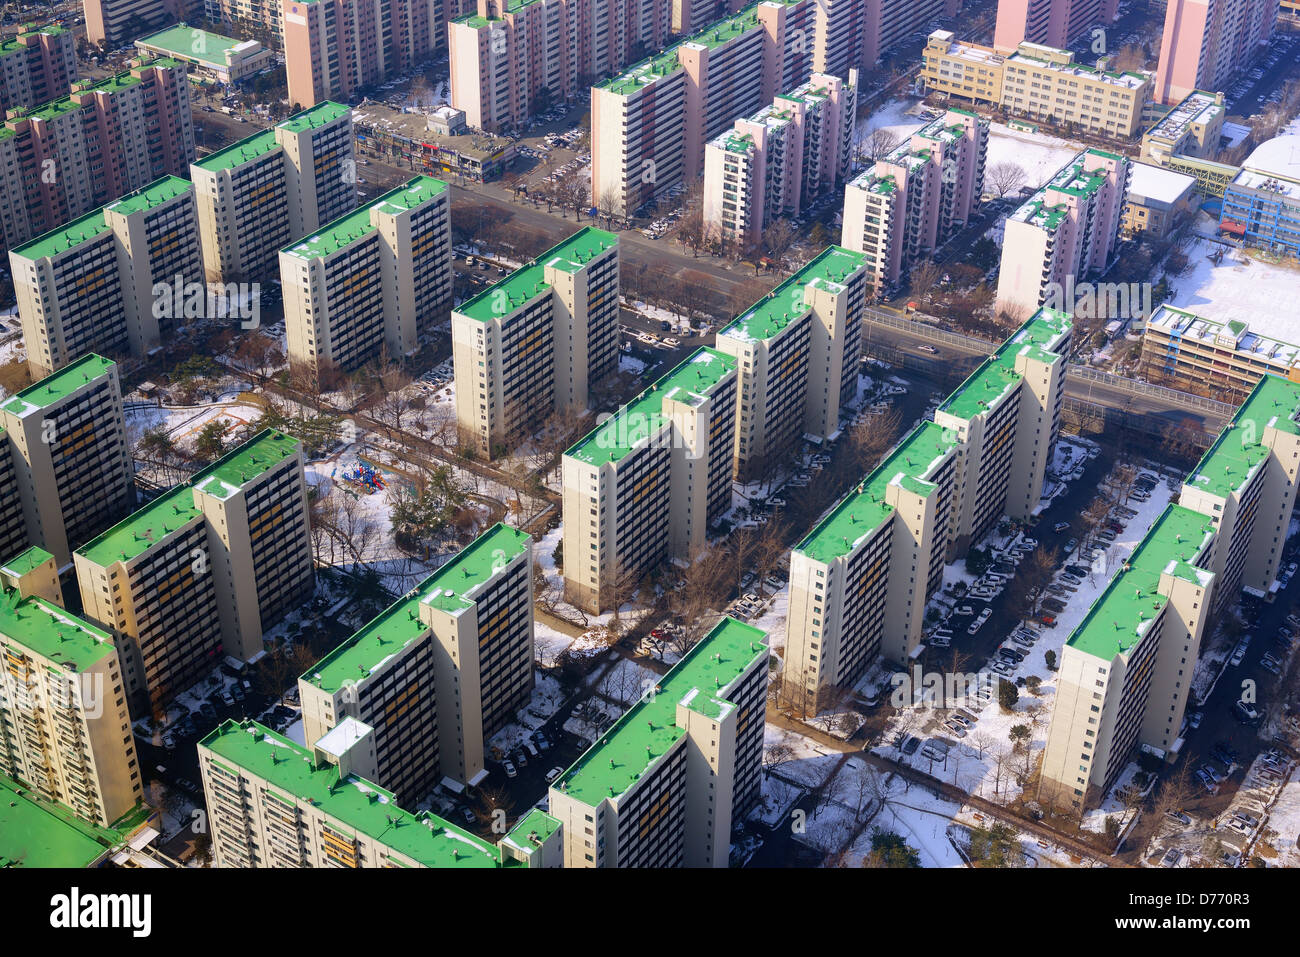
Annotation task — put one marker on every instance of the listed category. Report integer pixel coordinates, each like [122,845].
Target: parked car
[509,768]
[552,774]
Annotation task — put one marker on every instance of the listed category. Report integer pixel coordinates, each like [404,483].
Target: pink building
[1206,42]
[911,201]
[36,66]
[1053,23]
[332,48]
[60,160]
[776,162]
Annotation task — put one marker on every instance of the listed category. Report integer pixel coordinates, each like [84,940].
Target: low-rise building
[1156,199]
[1192,129]
[225,59]
[1262,203]
[1230,355]
[1046,84]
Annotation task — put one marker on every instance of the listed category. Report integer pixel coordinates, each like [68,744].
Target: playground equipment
[368,478]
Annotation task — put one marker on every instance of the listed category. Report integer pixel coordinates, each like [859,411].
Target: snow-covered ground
[1240,287]
[896,116]
[1038,154]
[547,697]
[1284,821]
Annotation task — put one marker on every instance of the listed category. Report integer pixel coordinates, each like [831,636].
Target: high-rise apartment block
[1126,670]
[1206,42]
[796,353]
[537,341]
[113,280]
[860,580]
[647,482]
[259,194]
[115,23]
[333,48]
[664,785]
[60,160]
[376,280]
[273,803]
[203,570]
[1056,23]
[776,162]
[1065,232]
[912,200]
[65,465]
[64,728]
[37,65]
[439,672]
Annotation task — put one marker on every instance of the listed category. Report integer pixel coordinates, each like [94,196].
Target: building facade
[37,65]
[1207,42]
[1192,129]
[1056,23]
[796,353]
[536,342]
[113,280]
[437,674]
[1229,355]
[1261,205]
[203,570]
[776,162]
[664,785]
[257,195]
[374,282]
[912,200]
[210,55]
[646,484]
[1157,198]
[1065,232]
[64,728]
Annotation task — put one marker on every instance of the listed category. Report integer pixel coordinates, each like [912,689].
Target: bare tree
[925,276]
[1005,177]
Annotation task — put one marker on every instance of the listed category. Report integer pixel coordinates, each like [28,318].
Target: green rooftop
[26,561]
[649,728]
[1124,611]
[773,313]
[864,510]
[529,280]
[535,825]
[240,152]
[1239,449]
[57,386]
[47,630]
[400,624]
[350,802]
[39,833]
[189,43]
[317,116]
[11,44]
[155,194]
[356,225]
[146,527]
[67,236]
[995,376]
[641,418]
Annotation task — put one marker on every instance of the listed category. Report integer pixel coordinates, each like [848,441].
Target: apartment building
[890,23]
[912,200]
[860,580]
[805,334]
[257,195]
[437,674]
[335,48]
[371,283]
[663,786]
[537,341]
[1207,42]
[961,68]
[66,462]
[1261,205]
[258,14]
[203,570]
[1055,23]
[1045,84]
[1125,671]
[1191,129]
[781,159]
[1230,355]
[37,65]
[113,280]
[115,23]
[645,484]
[40,834]
[273,803]
[64,728]
[1069,228]
[61,159]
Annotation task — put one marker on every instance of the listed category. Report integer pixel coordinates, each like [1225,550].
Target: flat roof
[1123,612]
[997,374]
[355,225]
[864,509]
[67,236]
[535,826]
[771,314]
[529,280]
[190,43]
[400,624]
[239,152]
[57,386]
[146,527]
[1160,184]
[35,833]
[1239,449]
[690,381]
[649,728]
[26,561]
[155,194]
[349,801]
[315,117]
[45,629]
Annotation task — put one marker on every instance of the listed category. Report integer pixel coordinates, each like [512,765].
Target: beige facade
[1045,84]
[1229,355]
[1191,129]
[961,69]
